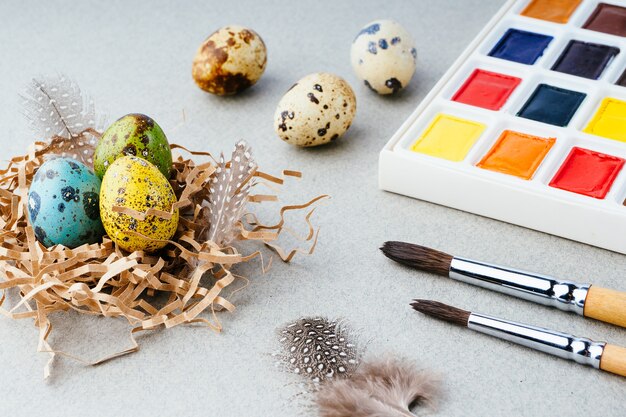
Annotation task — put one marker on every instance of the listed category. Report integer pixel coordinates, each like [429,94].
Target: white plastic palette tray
[531,203]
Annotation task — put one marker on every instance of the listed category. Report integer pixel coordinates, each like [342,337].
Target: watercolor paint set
[528,126]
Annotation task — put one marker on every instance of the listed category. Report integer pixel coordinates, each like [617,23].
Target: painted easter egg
[383,56]
[63,204]
[136,184]
[318,109]
[230,60]
[134,135]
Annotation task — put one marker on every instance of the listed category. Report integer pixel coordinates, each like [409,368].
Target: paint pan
[521,46]
[528,126]
[585,59]
[517,154]
[557,11]
[608,18]
[448,137]
[587,172]
[486,89]
[609,120]
[621,80]
[552,105]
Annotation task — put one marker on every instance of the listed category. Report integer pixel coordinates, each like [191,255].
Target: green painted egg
[133,135]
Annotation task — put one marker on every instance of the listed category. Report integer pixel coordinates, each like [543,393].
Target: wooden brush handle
[614,360]
[606,305]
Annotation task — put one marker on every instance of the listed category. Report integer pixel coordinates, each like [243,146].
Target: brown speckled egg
[318,109]
[230,60]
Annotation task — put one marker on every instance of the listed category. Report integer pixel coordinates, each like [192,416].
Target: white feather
[68,114]
[226,206]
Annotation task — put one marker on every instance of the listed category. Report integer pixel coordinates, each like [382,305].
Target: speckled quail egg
[230,60]
[136,184]
[63,204]
[318,109]
[383,56]
[135,135]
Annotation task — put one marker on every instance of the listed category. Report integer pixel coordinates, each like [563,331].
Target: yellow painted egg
[230,60]
[136,184]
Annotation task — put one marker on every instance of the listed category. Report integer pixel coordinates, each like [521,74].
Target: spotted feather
[229,191]
[319,348]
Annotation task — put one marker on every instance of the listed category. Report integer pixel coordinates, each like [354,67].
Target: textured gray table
[137,58]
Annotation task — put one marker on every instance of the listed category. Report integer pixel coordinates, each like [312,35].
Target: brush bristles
[419,257]
[442,311]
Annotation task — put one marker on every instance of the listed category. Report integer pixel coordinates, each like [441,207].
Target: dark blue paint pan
[552,105]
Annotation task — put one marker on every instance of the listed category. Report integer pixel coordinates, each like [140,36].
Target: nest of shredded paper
[100,279]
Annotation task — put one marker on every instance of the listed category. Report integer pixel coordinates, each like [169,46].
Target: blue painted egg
[63,204]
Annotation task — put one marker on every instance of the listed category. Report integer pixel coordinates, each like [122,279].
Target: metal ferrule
[542,289]
[563,345]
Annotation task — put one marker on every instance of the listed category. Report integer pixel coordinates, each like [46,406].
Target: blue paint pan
[552,105]
[521,46]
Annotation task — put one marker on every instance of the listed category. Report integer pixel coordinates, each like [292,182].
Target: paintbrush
[600,355]
[584,299]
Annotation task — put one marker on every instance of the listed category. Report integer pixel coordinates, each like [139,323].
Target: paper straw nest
[149,290]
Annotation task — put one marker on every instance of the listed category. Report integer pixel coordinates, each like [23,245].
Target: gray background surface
[137,58]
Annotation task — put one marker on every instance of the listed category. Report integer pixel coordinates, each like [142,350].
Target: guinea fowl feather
[229,193]
[319,349]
